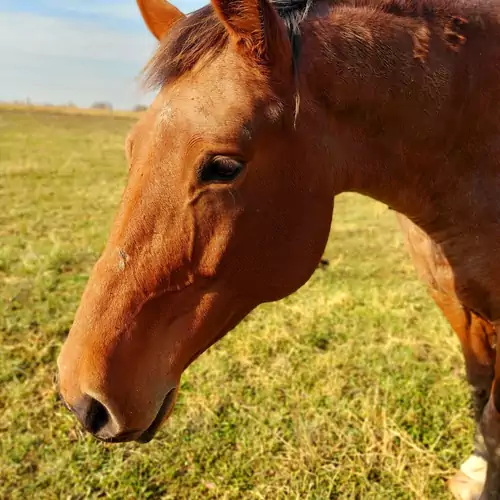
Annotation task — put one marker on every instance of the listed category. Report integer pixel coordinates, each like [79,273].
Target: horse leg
[476,337]
[490,427]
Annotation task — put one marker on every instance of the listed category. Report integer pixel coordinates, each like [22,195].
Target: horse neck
[402,123]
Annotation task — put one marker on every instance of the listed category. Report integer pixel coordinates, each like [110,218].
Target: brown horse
[266,111]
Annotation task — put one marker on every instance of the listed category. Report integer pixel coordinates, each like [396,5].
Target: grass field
[351,388]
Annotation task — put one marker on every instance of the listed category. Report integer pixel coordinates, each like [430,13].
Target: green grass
[351,388]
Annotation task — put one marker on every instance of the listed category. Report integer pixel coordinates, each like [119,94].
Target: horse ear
[159,16]
[256,27]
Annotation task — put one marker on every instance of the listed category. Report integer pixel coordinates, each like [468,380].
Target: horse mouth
[165,409]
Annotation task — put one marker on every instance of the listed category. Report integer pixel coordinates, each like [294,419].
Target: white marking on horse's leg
[468,482]
[475,467]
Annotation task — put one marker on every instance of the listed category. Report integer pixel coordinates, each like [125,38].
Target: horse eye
[220,169]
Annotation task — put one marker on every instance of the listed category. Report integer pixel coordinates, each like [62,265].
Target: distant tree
[102,105]
[139,108]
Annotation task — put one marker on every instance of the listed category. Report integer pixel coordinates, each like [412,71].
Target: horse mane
[200,36]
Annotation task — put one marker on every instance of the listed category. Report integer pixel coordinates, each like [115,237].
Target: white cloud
[86,50]
[52,36]
[119,9]
[59,81]
[57,59]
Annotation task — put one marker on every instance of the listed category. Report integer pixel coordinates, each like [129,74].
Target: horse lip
[120,438]
[167,404]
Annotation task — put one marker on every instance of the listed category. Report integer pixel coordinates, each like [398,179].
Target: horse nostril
[92,414]
[97,416]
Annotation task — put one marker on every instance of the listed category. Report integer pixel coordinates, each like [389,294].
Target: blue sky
[57,51]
